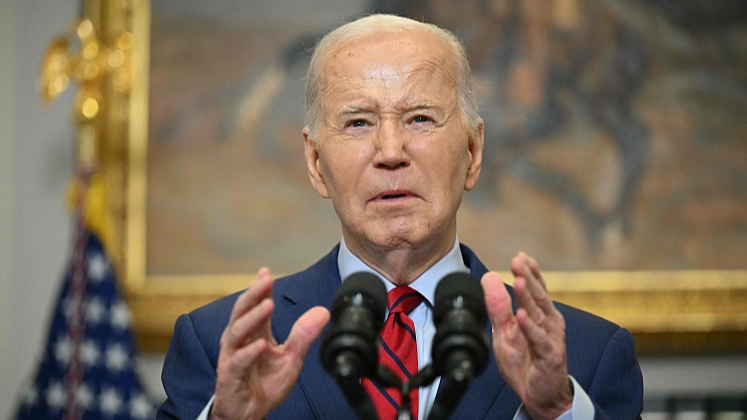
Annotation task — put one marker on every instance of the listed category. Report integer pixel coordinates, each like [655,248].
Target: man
[393,139]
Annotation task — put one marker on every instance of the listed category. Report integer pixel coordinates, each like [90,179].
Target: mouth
[393,195]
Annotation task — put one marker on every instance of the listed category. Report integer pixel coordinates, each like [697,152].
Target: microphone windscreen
[456,285]
[370,287]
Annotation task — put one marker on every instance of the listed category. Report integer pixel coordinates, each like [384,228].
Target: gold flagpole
[99,63]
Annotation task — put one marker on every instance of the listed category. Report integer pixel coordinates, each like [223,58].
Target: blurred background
[614,132]
[37,156]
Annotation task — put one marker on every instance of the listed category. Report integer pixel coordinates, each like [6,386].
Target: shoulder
[582,324]
[595,345]
[578,322]
[209,320]
[588,337]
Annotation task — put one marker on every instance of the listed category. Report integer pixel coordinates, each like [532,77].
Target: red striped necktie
[398,351]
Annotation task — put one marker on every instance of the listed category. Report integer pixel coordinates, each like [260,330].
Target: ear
[476,144]
[311,152]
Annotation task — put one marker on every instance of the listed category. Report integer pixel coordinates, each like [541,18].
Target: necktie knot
[403,299]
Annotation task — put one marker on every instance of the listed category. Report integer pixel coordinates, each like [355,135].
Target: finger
[525,300]
[522,260]
[540,342]
[497,301]
[246,356]
[306,329]
[250,326]
[538,292]
[516,262]
[260,289]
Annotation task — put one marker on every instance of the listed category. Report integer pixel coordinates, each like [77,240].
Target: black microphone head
[460,317]
[465,291]
[362,289]
[349,345]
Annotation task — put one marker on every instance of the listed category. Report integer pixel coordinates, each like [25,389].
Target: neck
[404,263]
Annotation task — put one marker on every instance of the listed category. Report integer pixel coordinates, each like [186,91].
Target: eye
[421,119]
[356,123]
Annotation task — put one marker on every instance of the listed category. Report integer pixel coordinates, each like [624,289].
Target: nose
[390,142]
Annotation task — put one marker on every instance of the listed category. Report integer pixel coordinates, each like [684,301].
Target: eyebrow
[359,109]
[423,106]
[348,110]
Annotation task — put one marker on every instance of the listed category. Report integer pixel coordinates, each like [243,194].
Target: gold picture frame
[701,311]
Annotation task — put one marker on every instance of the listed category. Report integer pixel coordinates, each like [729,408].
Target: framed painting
[614,154]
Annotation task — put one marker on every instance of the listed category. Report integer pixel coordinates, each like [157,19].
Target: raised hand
[255,373]
[529,345]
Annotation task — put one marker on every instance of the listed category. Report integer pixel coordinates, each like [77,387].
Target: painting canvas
[615,132]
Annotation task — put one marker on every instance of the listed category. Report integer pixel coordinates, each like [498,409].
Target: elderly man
[393,139]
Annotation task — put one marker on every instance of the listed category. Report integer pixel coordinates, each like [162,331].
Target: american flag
[87,368]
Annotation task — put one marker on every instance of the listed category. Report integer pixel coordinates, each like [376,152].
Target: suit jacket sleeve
[617,385]
[188,375]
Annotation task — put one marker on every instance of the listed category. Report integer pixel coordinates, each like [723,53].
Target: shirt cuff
[581,409]
[205,411]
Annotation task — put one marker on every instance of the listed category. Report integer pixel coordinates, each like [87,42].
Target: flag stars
[55,396]
[116,358]
[89,353]
[141,407]
[97,267]
[83,397]
[120,316]
[95,311]
[110,402]
[63,350]
[88,357]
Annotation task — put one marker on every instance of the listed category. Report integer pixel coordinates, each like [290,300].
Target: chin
[403,238]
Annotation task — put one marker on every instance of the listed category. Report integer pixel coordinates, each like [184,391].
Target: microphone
[461,346]
[349,350]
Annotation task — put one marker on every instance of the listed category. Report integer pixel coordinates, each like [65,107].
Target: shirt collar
[452,262]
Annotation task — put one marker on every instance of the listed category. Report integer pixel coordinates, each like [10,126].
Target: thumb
[306,329]
[497,300]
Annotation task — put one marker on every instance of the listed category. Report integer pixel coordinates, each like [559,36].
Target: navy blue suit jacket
[600,357]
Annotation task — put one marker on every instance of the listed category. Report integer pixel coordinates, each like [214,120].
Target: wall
[37,162]
[7,166]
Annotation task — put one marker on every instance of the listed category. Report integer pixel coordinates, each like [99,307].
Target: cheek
[448,162]
[340,173]
[349,160]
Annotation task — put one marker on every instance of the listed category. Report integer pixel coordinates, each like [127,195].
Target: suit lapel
[315,287]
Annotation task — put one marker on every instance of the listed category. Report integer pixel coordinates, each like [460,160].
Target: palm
[254,373]
[530,345]
[526,369]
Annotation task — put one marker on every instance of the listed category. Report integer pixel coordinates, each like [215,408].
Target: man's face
[392,152]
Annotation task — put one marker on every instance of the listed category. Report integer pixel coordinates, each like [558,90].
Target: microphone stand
[453,385]
[451,389]
[387,378]
[350,383]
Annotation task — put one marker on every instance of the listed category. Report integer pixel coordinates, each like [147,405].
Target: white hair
[386,24]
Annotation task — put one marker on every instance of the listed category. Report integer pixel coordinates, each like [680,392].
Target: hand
[529,346]
[255,374]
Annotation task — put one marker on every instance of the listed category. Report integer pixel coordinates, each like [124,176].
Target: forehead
[413,58]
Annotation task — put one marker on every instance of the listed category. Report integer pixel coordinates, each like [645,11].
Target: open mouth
[393,195]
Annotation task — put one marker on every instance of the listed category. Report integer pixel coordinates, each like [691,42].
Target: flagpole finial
[99,66]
